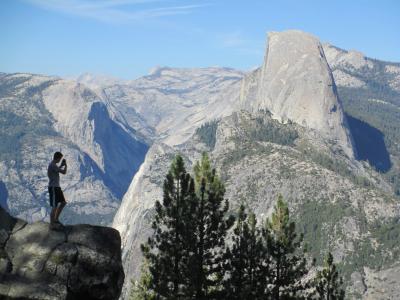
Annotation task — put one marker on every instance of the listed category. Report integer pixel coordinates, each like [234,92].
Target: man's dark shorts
[56,196]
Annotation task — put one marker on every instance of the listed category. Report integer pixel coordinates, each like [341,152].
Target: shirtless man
[57,200]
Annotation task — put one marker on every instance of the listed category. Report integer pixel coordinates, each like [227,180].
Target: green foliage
[370,109]
[207,133]
[388,234]
[318,219]
[168,250]
[285,247]
[245,148]
[383,248]
[332,164]
[328,283]
[141,290]
[309,219]
[188,256]
[254,131]
[266,129]
[207,270]
[248,261]
[186,251]
[327,161]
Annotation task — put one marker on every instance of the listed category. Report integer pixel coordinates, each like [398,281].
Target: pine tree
[186,251]
[141,290]
[168,250]
[328,283]
[212,225]
[247,261]
[285,247]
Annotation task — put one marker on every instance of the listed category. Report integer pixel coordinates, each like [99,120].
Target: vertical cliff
[295,83]
[71,262]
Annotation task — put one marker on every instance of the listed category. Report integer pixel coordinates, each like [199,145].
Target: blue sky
[126,38]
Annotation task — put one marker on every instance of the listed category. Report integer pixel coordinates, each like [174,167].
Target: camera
[63,162]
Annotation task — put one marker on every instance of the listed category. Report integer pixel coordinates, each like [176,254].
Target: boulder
[63,262]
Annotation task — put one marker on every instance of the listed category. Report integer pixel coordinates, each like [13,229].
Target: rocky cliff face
[103,126]
[337,201]
[40,115]
[295,83]
[72,262]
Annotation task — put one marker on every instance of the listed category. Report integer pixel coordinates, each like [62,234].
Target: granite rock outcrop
[71,262]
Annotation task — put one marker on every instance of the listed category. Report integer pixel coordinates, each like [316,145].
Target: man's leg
[53,214]
[53,204]
[58,210]
[61,203]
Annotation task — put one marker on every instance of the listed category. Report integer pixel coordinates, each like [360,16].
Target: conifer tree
[288,260]
[211,226]
[328,283]
[168,251]
[141,290]
[247,261]
[186,251]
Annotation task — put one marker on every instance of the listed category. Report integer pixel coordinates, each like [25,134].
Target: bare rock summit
[295,83]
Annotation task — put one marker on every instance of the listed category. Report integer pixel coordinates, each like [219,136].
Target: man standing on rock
[57,200]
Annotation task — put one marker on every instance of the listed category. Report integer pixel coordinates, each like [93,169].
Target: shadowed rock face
[122,154]
[71,262]
[370,144]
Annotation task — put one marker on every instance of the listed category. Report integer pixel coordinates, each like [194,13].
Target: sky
[127,38]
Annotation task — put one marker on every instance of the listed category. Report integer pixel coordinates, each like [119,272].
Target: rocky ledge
[71,262]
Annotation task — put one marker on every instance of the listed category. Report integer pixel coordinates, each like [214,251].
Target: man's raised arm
[63,164]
